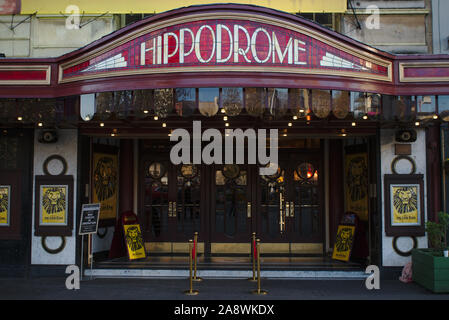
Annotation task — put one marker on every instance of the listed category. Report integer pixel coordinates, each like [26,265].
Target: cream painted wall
[387,141]
[47,36]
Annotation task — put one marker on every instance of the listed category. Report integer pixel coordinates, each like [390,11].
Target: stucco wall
[387,141]
[66,147]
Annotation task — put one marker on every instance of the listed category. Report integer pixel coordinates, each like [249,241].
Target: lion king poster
[105,184]
[53,205]
[405,204]
[356,186]
[134,241]
[343,243]
[5,195]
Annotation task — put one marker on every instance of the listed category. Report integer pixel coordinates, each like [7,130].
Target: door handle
[174,209]
[248,209]
[292,209]
[170,213]
[281,214]
[287,209]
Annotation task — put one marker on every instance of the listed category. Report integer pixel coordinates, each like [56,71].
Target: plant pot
[430,271]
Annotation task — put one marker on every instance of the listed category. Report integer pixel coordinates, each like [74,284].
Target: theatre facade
[357,133]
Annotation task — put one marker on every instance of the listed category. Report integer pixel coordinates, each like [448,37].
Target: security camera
[406,136]
[48,137]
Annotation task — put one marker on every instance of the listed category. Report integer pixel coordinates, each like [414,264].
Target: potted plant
[431,266]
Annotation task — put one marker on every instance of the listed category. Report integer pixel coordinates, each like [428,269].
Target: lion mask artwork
[53,200]
[357,178]
[344,240]
[405,200]
[105,182]
[133,238]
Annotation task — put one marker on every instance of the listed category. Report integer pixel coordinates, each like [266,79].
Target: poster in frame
[10,204]
[5,205]
[404,205]
[54,206]
[105,182]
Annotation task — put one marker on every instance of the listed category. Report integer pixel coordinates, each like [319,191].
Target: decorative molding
[423,65]
[26,70]
[274,22]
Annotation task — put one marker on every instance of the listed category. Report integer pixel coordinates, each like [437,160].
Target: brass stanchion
[190,292]
[258,291]
[195,243]
[253,255]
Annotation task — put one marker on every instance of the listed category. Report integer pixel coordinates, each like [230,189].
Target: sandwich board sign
[90,214]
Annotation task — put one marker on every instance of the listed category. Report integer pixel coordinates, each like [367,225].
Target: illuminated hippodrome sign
[226,45]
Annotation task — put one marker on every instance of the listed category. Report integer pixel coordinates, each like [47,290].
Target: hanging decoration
[104,105]
[255,101]
[299,102]
[232,101]
[321,103]
[277,102]
[163,102]
[340,104]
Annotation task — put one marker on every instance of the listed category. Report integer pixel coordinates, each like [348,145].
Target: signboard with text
[226,44]
[90,214]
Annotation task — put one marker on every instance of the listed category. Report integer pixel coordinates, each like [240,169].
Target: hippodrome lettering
[224,44]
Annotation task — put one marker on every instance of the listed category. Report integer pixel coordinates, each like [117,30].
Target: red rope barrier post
[191,292]
[258,291]
[195,242]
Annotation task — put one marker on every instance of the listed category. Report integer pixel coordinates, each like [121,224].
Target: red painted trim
[225,79]
[22,75]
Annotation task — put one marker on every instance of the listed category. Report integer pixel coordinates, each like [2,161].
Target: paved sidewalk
[210,289]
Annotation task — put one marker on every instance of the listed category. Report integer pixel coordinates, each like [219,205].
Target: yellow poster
[4,205]
[356,188]
[343,243]
[405,204]
[105,179]
[53,205]
[134,241]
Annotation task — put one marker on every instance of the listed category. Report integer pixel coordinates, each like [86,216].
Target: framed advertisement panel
[10,204]
[53,206]
[105,182]
[404,205]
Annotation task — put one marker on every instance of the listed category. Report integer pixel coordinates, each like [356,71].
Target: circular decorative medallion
[231,171]
[189,171]
[49,169]
[404,253]
[305,170]
[156,170]
[53,251]
[402,159]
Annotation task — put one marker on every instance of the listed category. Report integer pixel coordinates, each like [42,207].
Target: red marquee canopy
[225,46]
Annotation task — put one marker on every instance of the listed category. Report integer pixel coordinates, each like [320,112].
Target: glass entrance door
[231,203]
[289,203]
[226,203]
[171,200]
